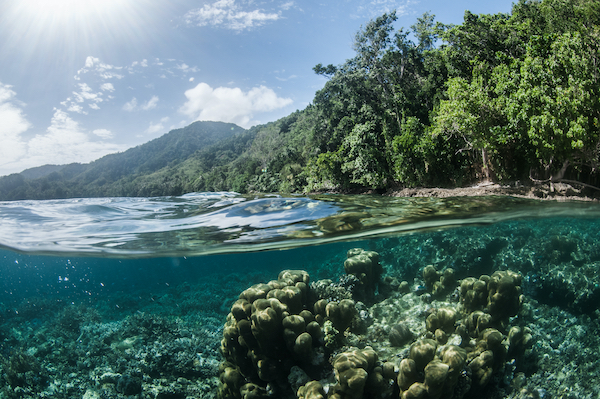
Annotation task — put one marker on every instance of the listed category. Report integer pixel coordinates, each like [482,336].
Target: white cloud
[157,127]
[74,108]
[186,68]
[150,104]
[287,6]
[191,79]
[89,61]
[230,104]
[86,93]
[65,142]
[12,124]
[103,133]
[154,128]
[104,71]
[107,87]
[131,105]
[229,14]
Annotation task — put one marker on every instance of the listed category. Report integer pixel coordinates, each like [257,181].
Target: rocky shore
[546,191]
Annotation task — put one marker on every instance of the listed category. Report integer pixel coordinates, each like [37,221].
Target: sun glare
[48,26]
[69,8]
[63,33]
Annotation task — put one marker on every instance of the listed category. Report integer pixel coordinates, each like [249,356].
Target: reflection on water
[203,223]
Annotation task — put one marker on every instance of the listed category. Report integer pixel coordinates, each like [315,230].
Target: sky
[80,79]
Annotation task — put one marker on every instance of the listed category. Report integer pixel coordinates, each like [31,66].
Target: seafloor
[101,333]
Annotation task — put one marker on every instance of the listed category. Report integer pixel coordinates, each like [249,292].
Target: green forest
[500,97]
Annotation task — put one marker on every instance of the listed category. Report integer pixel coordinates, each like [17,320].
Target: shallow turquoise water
[70,269]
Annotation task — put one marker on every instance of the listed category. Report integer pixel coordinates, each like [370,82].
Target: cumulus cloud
[230,104]
[13,124]
[150,104]
[65,142]
[229,14]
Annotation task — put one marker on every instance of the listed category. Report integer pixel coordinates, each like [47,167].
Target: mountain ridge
[75,179]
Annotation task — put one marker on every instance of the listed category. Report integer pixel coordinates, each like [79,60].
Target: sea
[128,297]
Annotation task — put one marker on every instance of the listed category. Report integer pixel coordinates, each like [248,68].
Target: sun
[59,30]
[63,33]
[65,9]
[55,20]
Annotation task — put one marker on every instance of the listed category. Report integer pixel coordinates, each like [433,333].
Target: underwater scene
[220,295]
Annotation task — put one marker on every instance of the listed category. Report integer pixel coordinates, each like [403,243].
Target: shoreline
[543,191]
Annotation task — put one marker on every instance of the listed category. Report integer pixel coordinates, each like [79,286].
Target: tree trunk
[487,173]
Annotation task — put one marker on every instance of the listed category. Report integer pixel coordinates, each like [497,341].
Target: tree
[471,113]
[362,105]
[480,39]
[557,101]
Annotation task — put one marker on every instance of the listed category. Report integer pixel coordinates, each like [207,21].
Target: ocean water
[128,297]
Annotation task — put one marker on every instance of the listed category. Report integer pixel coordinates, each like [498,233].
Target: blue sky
[83,78]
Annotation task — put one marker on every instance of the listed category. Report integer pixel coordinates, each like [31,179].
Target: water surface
[206,223]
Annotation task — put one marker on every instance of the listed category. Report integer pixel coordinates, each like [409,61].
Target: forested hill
[499,97]
[121,174]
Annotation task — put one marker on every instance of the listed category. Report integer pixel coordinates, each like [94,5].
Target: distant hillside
[99,178]
[40,171]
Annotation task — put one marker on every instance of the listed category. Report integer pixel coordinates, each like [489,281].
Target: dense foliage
[499,97]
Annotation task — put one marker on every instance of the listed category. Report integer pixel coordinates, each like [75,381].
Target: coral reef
[22,373]
[270,329]
[364,265]
[447,347]
[558,258]
[75,354]
[439,284]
